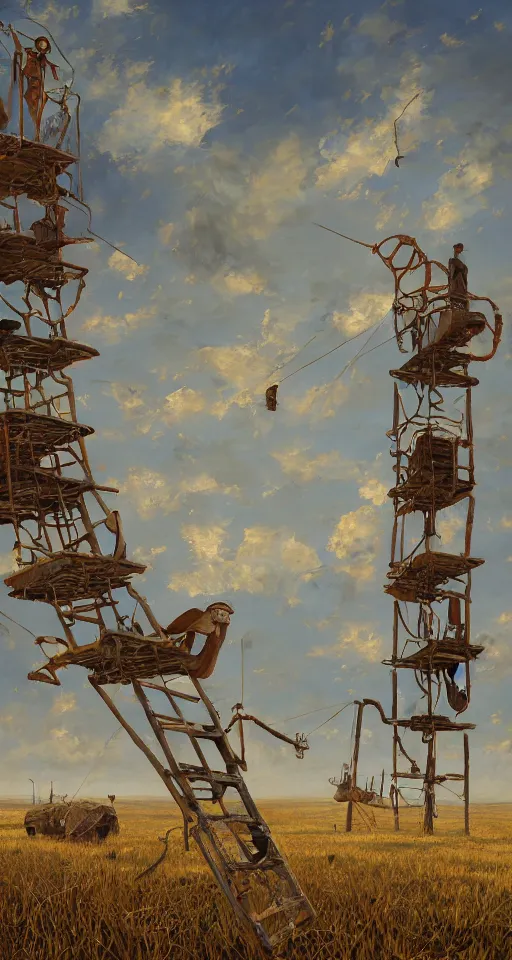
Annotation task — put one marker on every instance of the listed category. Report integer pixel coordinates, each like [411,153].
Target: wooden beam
[466,784]
[355,758]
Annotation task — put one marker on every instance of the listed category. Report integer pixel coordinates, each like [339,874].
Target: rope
[458,795]
[330,718]
[100,754]
[295,355]
[360,352]
[308,714]
[7,617]
[342,344]
[371,246]
[398,157]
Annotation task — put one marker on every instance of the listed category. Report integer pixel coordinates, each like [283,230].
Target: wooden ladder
[236,843]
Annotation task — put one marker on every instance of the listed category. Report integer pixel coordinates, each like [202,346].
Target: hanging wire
[7,617]
[309,712]
[330,718]
[295,355]
[361,351]
[321,357]
[407,105]
[99,756]
[360,242]
[455,794]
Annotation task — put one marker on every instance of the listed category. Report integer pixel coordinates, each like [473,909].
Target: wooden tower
[69,544]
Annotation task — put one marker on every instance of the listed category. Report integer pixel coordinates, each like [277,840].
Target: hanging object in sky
[69,544]
[271,397]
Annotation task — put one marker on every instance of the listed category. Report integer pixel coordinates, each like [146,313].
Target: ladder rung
[174,693]
[271,911]
[266,863]
[191,729]
[229,818]
[212,776]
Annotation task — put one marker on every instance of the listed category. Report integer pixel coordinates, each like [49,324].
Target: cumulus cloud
[112,328]
[360,638]
[374,490]
[130,399]
[505,617]
[268,561]
[365,310]
[123,264]
[449,41]
[356,541]
[239,284]
[319,403]
[178,115]
[60,747]
[165,233]
[182,403]
[7,563]
[64,703]
[460,192]
[379,28]
[245,367]
[295,463]
[496,661]
[155,493]
[365,150]
[505,746]
[116,8]
[240,200]
[449,527]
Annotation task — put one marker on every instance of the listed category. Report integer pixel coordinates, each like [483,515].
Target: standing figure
[34,73]
[458,280]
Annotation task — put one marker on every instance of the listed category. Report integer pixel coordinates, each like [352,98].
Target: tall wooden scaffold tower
[69,545]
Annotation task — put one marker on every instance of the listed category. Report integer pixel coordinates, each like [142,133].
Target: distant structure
[80,820]
[70,548]
[432,439]
[434,471]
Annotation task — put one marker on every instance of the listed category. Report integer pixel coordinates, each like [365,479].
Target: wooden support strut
[355,758]
[466,784]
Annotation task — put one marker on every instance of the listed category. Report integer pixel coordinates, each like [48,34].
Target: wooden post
[394,716]
[430,798]
[466,784]
[355,758]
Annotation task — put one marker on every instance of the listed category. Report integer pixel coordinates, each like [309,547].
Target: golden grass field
[395,897]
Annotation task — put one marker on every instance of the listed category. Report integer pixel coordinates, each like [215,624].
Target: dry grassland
[395,897]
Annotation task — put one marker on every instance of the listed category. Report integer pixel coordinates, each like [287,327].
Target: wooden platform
[458,327]
[31,168]
[32,436]
[437,656]
[435,723]
[38,353]
[120,657]
[23,259]
[432,475]
[434,366]
[68,576]
[35,491]
[420,578]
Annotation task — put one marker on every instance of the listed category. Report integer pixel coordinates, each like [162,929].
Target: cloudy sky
[213,136]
